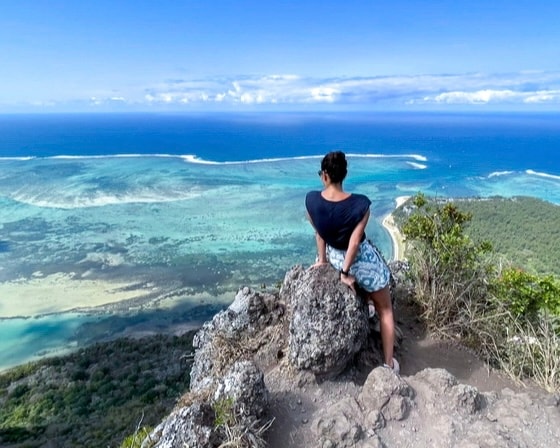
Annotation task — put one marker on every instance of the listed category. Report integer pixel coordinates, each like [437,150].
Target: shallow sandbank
[62,292]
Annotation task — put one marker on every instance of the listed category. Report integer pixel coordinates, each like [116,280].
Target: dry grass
[448,299]
[246,436]
[201,396]
[227,351]
[466,310]
[532,350]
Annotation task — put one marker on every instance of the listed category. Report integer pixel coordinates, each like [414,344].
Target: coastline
[396,236]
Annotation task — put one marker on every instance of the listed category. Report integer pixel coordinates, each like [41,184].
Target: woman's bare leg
[384,307]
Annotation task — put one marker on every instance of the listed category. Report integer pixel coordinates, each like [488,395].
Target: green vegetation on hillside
[524,230]
[511,317]
[448,269]
[96,396]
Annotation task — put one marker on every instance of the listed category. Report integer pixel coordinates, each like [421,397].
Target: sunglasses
[320,173]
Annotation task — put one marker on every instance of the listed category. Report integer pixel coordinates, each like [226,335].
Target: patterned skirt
[369,267]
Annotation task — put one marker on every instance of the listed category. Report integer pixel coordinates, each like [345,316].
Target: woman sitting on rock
[340,219]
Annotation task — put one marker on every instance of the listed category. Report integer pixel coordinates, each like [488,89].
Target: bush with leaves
[511,317]
[526,294]
[529,346]
[137,439]
[450,271]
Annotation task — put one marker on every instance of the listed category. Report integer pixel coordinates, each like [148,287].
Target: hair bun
[339,155]
[335,165]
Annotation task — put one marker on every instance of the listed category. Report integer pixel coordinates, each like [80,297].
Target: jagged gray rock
[338,426]
[228,392]
[459,397]
[387,395]
[353,421]
[239,400]
[312,313]
[328,322]
[243,384]
[249,314]
[191,426]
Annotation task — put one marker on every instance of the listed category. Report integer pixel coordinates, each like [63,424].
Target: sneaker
[396,367]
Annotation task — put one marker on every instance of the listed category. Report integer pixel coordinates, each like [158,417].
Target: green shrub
[19,391]
[450,272]
[224,411]
[97,405]
[135,440]
[526,294]
[511,317]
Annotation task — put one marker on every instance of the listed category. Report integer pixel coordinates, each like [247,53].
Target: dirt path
[296,398]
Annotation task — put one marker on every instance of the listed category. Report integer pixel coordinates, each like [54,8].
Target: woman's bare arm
[353,245]
[321,247]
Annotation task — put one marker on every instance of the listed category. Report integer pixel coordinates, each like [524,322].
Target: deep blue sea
[135,223]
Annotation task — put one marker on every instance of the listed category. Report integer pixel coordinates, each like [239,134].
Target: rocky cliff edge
[301,368]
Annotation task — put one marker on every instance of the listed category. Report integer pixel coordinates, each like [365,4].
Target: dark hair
[335,165]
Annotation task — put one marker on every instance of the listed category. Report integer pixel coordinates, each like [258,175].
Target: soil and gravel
[513,414]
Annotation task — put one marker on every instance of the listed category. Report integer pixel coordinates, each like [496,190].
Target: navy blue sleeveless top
[335,221]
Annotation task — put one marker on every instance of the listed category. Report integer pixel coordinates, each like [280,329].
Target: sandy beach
[396,236]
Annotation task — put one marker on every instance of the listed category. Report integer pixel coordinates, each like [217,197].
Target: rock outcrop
[328,323]
[300,368]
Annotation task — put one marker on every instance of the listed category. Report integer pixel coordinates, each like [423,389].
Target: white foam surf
[192,158]
[540,174]
[195,159]
[499,173]
[101,200]
[419,166]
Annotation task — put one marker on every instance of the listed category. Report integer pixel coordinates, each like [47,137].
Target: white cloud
[324,93]
[493,96]
[478,97]
[550,96]
[523,89]
[100,101]
[472,88]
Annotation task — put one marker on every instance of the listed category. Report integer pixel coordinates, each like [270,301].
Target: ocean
[129,224]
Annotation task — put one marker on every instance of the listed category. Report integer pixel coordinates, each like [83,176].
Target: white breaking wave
[548,176]
[195,159]
[72,202]
[111,156]
[499,173]
[17,158]
[418,166]
[192,158]
[418,157]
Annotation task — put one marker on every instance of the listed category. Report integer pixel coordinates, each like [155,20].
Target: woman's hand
[319,263]
[349,281]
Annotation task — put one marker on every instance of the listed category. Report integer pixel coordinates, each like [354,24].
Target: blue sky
[198,55]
